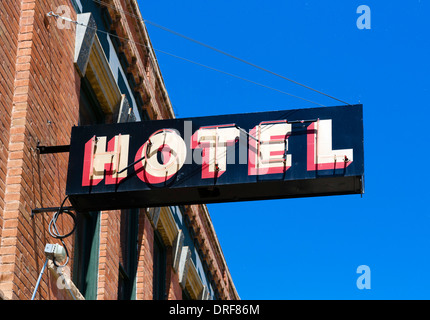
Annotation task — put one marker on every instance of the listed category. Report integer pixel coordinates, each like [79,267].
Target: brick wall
[145,263]
[174,290]
[42,101]
[9,27]
[109,255]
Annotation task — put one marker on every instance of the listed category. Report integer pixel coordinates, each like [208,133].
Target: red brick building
[56,74]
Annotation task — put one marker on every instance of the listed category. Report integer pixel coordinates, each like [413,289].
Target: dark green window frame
[86,254]
[129,253]
[159,268]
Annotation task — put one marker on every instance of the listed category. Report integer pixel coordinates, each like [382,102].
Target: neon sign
[266,155]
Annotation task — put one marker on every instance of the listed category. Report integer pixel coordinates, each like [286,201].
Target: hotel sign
[252,156]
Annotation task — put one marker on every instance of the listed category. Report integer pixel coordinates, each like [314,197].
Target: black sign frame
[237,180]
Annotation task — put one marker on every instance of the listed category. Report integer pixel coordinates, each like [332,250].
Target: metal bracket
[53,149]
[48,209]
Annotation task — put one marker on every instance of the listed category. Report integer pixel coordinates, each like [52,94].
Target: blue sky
[310,248]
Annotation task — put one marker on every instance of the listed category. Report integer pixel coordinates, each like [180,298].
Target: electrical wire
[242,60]
[51,14]
[238,77]
[219,51]
[53,230]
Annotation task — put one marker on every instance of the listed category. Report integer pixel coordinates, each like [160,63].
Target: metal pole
[38,280]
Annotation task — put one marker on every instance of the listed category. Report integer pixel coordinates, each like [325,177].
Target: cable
[184,59]
[243,61]
[219,51]
[238,77]
[53,230]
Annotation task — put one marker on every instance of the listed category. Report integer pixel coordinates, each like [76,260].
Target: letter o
[149,169]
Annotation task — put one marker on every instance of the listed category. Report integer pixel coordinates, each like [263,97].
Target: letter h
[99,162]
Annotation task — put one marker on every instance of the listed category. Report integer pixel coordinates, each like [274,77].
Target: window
[87,234]
[159,269]
[86,254]
[90,111]
[128,254]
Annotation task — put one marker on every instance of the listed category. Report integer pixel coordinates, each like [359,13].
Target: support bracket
[49,209]
[53,149]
